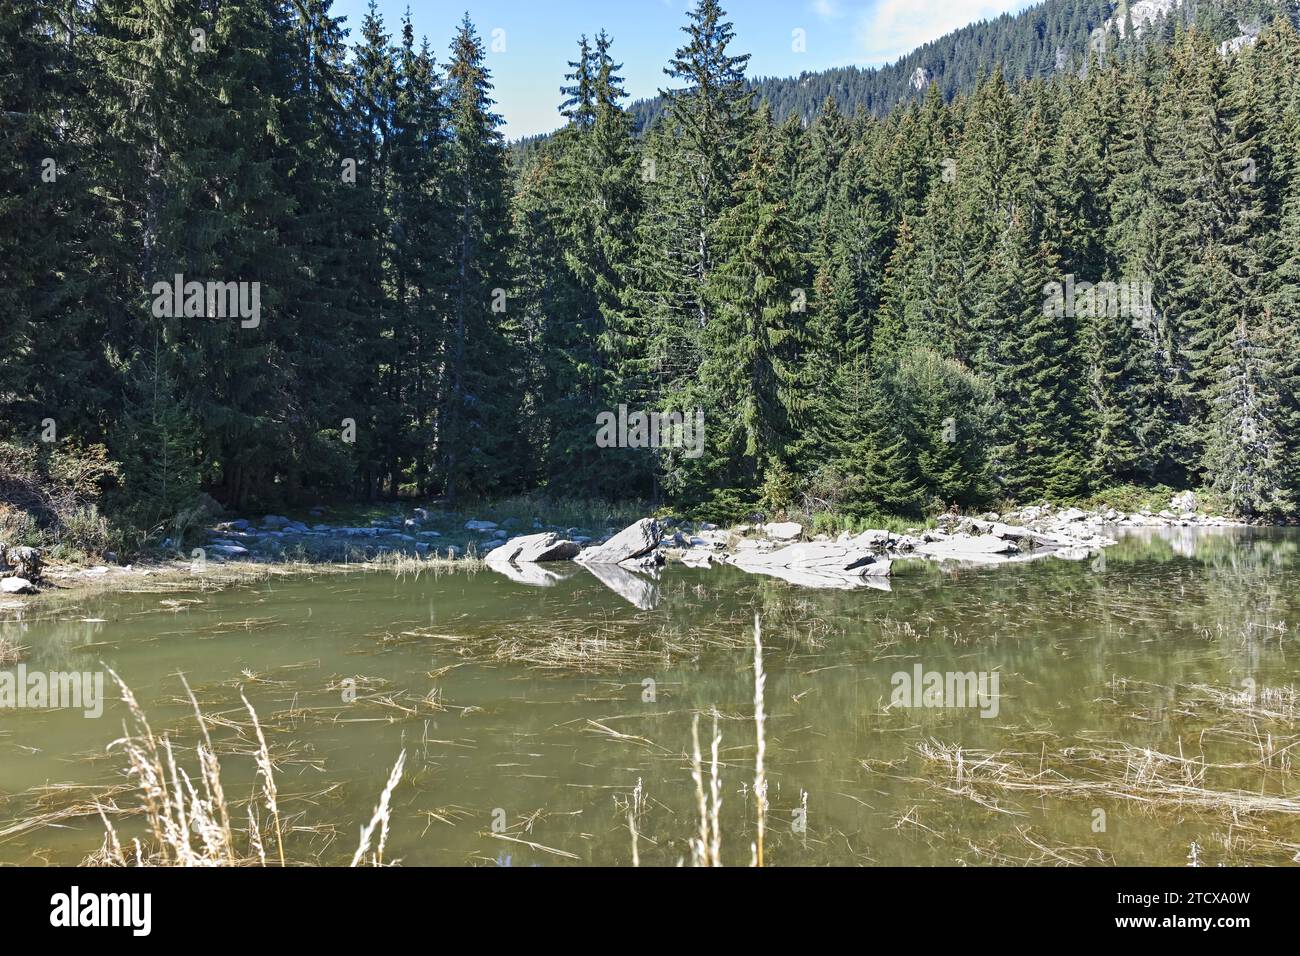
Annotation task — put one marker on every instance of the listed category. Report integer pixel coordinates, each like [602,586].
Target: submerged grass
[1229,763]
[581,647]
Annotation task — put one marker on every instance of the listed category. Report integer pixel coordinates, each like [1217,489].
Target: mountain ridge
[1042,40]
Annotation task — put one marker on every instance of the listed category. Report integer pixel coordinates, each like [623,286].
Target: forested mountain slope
[1046,39]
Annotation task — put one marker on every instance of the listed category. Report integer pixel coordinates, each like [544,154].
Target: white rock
[632,542]
[965,544]
[697,559]
[783,530]
[821,557]
[534,549]
[228,550]
[16,586]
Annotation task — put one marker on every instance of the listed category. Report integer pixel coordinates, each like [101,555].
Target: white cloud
[895,27]
[827,9]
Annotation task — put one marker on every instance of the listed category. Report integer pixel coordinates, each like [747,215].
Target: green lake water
[534,717]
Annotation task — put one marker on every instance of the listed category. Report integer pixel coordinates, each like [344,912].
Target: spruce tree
[751,345]
[478,413]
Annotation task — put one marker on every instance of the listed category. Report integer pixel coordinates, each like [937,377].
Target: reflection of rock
[1182,541]
[817,564]
[632,542]
[636,589]
[825,579]
[533,575]
[1073,554]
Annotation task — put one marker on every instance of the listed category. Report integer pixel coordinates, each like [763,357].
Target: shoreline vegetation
[402,538]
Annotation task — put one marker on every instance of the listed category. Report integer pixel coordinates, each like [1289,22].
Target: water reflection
[1092,655]
[638,588]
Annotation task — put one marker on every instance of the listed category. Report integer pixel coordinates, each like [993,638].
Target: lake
[1139,708]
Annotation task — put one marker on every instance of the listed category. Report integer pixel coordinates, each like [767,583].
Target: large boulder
[21,562]
[961,546]
[534,549]
[1184,502]
[783,530]
[16,586]
[208,506]
[632,542]
[827,557]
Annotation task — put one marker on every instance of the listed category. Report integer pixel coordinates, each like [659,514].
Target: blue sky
[537,37]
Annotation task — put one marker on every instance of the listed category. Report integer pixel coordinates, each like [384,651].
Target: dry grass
[11,652]
[189,825]
[380,818]
[706,848]
[581,647]
[706,842]
[404,564]
[760,772]
[1121,772]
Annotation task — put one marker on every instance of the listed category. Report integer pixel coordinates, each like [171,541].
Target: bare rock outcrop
[634,541]
[534,549]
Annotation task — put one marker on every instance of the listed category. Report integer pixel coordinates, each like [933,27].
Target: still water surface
[551,710]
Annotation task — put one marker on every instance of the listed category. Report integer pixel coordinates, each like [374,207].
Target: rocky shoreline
[784,549]
[627,560]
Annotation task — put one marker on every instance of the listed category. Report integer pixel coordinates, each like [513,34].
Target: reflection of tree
[54,644]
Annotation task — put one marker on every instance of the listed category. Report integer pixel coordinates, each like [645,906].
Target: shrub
[49,495]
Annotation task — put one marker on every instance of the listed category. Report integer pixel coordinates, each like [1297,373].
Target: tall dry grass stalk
[189,825]
[175,811]
[266,770]
[706,847]
[631,828]
[760,718]
[210,773]
[699,844]
[380,818]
